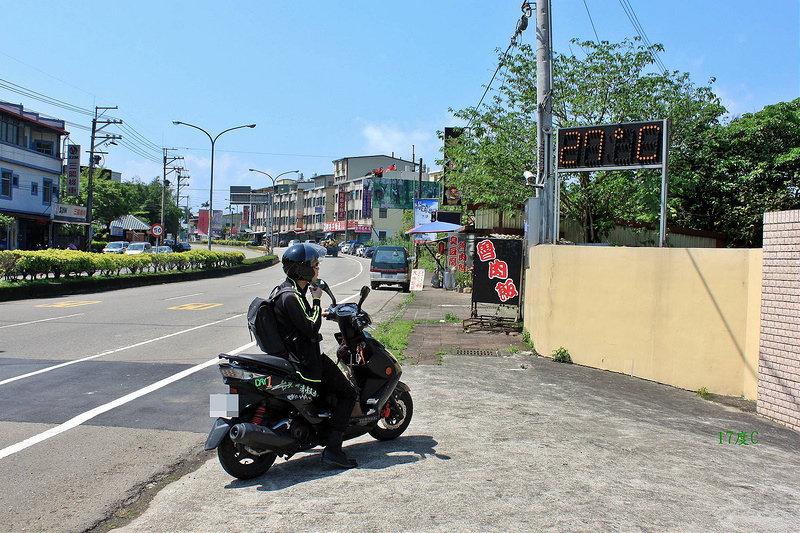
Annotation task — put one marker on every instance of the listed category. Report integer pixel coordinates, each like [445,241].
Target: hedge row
[23,264]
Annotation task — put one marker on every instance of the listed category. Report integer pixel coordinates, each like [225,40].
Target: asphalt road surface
[103,394]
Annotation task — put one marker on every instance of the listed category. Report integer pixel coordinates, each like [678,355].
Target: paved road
[518,443]
[102,395]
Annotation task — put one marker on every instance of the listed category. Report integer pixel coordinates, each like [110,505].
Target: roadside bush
[8,264]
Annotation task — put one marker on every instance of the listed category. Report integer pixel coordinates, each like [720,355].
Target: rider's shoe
[338,459]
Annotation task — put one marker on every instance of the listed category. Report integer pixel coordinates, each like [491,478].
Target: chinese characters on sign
[73,169]
[457,253]
[498,270]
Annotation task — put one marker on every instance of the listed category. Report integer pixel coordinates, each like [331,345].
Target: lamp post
[211,188]
[269,217]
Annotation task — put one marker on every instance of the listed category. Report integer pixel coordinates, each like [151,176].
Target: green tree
[733,174]
[610,84]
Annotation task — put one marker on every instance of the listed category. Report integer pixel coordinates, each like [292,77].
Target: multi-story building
[30,168]
[363,199]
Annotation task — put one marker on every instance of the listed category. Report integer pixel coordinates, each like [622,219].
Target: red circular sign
[157,230]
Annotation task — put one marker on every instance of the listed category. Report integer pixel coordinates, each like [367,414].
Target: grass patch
[513,350]
[451,317]
[703,393]
[394,335]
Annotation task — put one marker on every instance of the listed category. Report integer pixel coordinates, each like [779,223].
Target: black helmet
[299,260]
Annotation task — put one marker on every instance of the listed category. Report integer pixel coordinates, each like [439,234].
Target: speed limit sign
[157,230]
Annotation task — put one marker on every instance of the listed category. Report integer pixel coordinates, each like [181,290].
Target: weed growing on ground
[703,393]
[394,335]
[561,355]
[451,317]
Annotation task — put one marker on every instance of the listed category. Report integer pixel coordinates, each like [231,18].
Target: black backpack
[263,325]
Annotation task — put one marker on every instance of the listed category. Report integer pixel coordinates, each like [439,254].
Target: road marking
[109,352]
[179,297]
[249,285]
[88,415]
[194,307]
[71,303]
[42,320]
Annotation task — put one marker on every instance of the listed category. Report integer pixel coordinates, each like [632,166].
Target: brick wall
[779,350]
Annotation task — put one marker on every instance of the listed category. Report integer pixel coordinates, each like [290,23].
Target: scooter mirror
[327,290]
[364,293]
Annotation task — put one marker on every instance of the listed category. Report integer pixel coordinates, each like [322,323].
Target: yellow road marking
[194,307]
[71,303]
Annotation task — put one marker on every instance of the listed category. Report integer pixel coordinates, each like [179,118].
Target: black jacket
[299,323]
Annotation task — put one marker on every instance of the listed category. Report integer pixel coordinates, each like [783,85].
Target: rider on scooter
[301,323]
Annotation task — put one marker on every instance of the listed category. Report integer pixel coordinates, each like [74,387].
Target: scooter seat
[271,362]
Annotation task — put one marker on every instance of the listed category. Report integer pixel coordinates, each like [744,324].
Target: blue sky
[327,80]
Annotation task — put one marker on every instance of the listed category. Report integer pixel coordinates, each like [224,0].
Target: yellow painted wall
[687,317]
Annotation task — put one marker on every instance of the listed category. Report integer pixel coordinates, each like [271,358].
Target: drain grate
[482,353]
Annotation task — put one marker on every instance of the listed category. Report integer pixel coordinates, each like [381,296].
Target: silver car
[116,247]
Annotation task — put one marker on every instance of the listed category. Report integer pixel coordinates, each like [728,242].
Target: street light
[269,218]
[211,189]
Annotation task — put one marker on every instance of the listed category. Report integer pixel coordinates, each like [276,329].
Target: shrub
[561,355]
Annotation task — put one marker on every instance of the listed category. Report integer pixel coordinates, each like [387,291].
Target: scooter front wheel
[241,464]
[397,416]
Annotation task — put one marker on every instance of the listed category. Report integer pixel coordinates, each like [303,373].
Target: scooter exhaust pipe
[262,438]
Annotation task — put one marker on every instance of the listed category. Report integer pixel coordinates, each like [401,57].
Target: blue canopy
[436,227]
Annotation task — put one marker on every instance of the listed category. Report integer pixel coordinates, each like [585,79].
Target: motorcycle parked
[272,411]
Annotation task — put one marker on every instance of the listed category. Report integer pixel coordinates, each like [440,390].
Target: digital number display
[635,144]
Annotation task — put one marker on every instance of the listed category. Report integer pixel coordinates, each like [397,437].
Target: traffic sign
[157,230]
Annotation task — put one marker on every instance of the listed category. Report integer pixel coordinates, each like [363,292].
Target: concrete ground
[507,441]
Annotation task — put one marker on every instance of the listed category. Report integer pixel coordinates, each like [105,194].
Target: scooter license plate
[224,405]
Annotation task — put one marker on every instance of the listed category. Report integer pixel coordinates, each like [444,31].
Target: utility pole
[167,161]
[544,131]
[419,195]
[98,138]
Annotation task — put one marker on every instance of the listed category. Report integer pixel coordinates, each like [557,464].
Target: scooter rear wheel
[241,464]
[401,407]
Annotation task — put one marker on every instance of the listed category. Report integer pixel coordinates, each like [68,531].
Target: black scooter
[271,410]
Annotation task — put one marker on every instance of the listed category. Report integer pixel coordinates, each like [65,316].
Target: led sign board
[611,146]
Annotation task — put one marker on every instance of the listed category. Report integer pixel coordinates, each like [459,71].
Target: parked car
[359,250]
[390,265]
[311,241]
[135,248]
[116,247]
[181,247]
[368,251]
[163,249]
[294,241]
[283,242]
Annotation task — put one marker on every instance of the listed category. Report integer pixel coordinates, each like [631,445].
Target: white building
[30,168]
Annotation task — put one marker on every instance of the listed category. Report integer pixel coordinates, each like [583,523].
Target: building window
[5,189]
[383,212]
[9,130]
[381,235]
[47,191]
[34,189]
[43,147]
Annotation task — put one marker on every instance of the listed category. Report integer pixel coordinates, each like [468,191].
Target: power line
[626,6]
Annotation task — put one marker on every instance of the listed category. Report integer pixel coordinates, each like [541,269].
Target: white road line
[249,285]
[185,296]
[42,320]
[89,358]
[88,415]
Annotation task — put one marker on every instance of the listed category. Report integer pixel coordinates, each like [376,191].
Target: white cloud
[388,138]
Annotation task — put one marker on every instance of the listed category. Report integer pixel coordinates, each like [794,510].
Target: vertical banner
[202,222]
[300,211]
[497,277]
[423,214]
[342,203]
[216,222]
[246,215]
[73,170]
[366,199]
[457,253]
